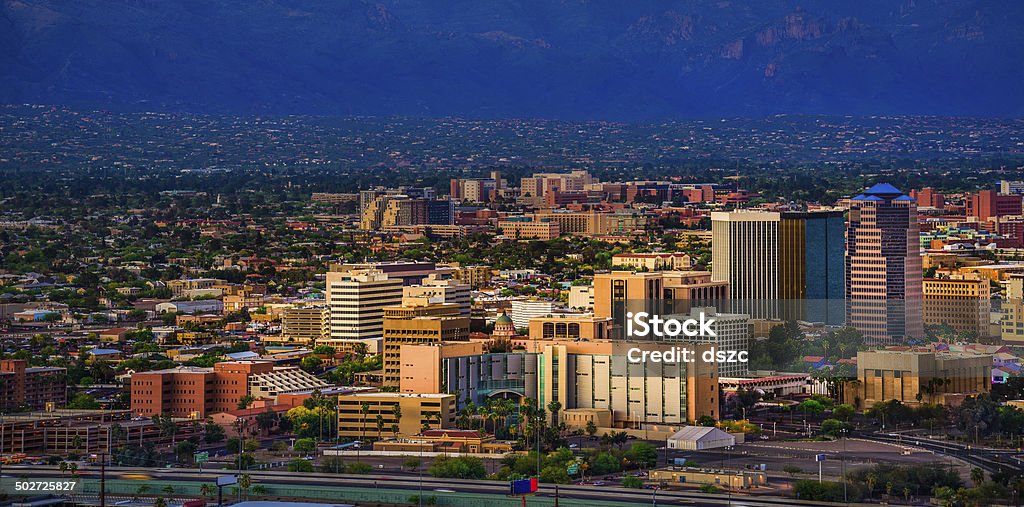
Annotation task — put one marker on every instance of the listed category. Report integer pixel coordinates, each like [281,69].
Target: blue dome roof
[883,189]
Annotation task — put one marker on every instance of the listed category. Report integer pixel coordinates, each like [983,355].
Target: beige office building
[421,322]
[964,305]
[529,227]
[617,292]
[1012,324]
[590,376]
[304,325]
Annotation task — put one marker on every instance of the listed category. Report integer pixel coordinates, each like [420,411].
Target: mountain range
[560,59]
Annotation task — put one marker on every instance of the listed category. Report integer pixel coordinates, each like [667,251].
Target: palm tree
[63,467]
[396,411]
[206,489]
[872,480]
[245,482]
[977,477]
[364,408]
[168,489]
[380,425]
[554,407]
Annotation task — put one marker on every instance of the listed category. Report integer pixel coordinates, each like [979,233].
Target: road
[605,495]
[988,459]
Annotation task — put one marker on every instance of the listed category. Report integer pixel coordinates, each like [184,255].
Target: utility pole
[103,480]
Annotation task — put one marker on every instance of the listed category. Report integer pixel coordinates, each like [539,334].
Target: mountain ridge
[569,59]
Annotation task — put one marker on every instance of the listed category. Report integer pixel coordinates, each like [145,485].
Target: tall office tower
[745,253]
[812,274]
[883,266]
[787,265]
[356,301]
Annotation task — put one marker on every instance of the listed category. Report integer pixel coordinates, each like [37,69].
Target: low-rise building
[570,326]
[656,261]
[918,377]
[732,479]
[194,392]
[402,414]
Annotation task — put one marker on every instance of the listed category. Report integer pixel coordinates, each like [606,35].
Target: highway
[988,459]
[430,485]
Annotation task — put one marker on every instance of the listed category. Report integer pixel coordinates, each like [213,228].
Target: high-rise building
[356,301]
[883,265]
[1012,325]
[418,322]
[781,265]
[929,197]
[620,292]
[745,253]
[812,274]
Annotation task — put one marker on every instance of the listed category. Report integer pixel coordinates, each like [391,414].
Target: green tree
[843,412]
[632,482]
[300,465]
[462,467]
[305,445]
[245,401]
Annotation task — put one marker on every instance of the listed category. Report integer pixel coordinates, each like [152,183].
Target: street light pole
[844,432]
